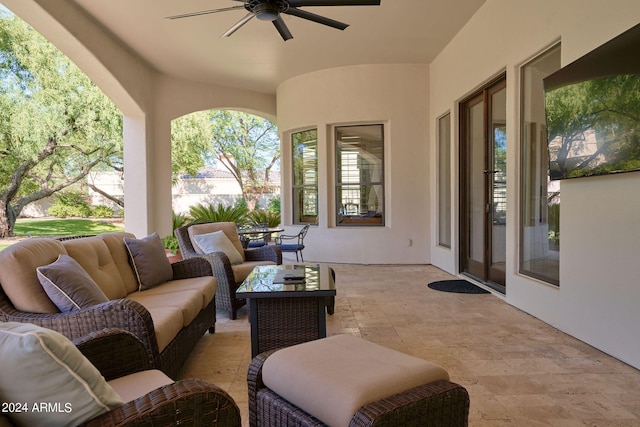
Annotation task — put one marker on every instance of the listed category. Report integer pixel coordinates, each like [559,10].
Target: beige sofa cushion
[133,386]
[332,378]
[18,273]
[229,229]
[189,302]
[167,322]
[94,256]
[205,285]
[115,243]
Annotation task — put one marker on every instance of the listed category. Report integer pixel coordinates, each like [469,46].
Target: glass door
[483,183]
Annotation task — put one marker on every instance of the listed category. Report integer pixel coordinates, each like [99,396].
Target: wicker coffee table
[285,311]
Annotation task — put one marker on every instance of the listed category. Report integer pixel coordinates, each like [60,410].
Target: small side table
[285,314]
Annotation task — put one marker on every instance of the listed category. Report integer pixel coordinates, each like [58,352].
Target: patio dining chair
[296,247]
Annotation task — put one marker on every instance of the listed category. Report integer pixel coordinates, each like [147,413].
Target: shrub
[70,204]
[102,211]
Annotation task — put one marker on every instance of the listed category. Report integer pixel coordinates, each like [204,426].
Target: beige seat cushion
[206,285]
[241,271]
[229,229]
[332,378]
[131,387]
[18,273]
[94,256]
[167,322]
[189,302]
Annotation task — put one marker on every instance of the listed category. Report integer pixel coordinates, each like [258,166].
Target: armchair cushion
[41,366]
[229,229]
[149,261]
[132,386]
[218,242]
[69,286]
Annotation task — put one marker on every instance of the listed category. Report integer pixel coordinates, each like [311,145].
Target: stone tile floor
[518,370]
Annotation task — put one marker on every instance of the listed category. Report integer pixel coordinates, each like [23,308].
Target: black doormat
[457,286]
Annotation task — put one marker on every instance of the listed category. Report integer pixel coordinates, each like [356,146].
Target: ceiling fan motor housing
[266,10]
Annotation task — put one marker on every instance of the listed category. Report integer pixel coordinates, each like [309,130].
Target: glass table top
[289,279]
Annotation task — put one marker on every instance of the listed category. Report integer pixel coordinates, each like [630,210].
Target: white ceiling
[256,57]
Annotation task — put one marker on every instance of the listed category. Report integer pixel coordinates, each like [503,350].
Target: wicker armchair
[117,353]
[229,276]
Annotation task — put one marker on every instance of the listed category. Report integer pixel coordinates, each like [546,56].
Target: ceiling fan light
[266,11]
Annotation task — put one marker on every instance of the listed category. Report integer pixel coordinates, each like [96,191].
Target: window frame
[298,216]
[368,219]
[531,131]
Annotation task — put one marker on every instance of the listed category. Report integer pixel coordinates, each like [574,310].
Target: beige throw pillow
[50,378]
[218,242]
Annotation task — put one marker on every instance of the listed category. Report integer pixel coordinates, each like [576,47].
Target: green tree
[55,124]
[190,142]
[249,148]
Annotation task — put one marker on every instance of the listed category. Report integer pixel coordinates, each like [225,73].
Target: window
[304,149]
[540,197]
[360,175]
[444,181]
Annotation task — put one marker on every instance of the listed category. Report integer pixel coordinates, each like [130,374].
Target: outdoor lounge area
[518,370]
[422,134]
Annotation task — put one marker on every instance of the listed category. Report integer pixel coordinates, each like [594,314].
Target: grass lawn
[59,227]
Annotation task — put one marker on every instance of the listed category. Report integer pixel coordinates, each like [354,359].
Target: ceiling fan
[271,10]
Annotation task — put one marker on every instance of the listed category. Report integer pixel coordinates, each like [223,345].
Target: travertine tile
[518,370]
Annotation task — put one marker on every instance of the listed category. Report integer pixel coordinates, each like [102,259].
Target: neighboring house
[210,185]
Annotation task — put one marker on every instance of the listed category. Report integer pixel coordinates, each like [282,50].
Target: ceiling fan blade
[205,12]
[238,24]
[316,18]
[302,3]
[282,28]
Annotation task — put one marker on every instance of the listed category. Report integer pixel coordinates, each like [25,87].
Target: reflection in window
[304,148]
[540,197]
[360,175]
[444,181]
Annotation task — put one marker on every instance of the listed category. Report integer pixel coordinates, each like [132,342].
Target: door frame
[481,271]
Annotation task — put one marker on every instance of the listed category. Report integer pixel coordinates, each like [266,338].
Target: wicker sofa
[148,397]
[169,319]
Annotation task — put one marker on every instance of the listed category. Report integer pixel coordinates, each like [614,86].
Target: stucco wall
[395,95]
[599,288]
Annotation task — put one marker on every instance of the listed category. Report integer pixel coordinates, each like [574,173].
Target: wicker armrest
[440,403]
[264,253]
[254,382]
[114,352]
[192,267]
[188,402]
[122,314]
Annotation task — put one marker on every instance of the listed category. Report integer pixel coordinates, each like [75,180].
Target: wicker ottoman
[344,380]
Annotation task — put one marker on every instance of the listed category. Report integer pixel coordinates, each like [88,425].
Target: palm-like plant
[208,213]
[263,216]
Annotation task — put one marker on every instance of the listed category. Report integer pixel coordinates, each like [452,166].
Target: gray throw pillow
[149,261]
[69,286]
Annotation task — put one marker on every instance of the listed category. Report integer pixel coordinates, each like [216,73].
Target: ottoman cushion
[332,378]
